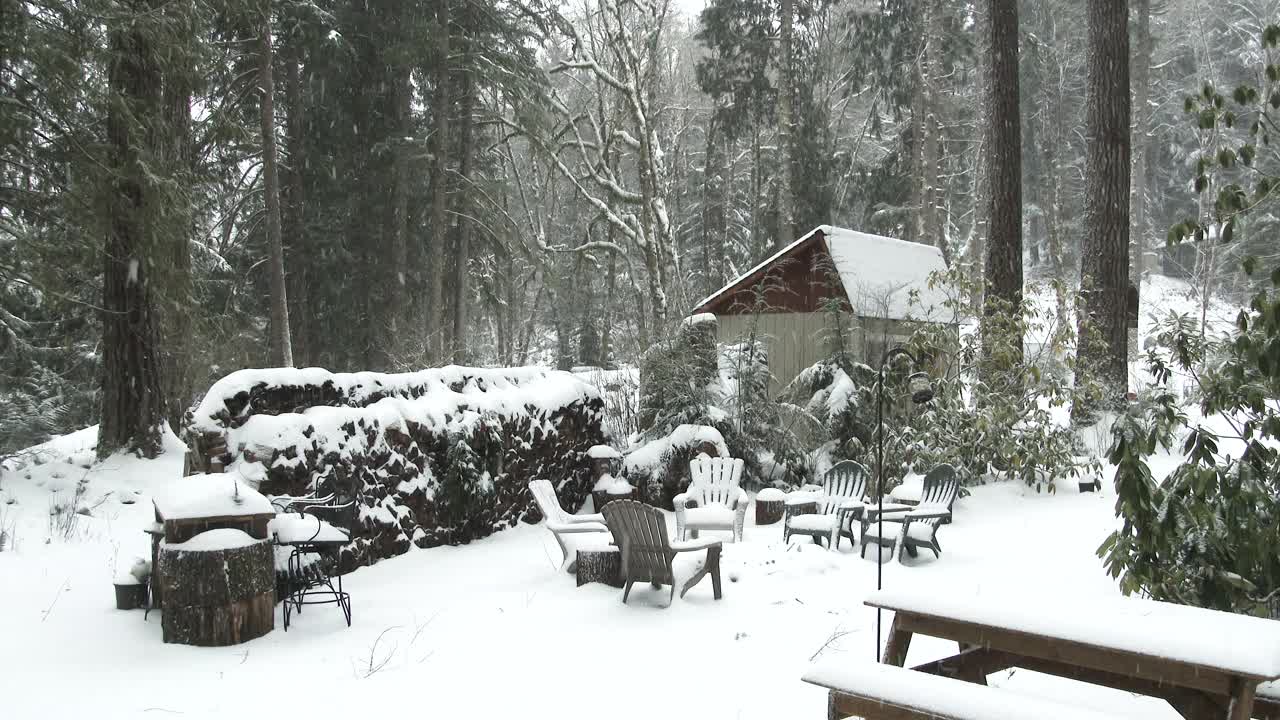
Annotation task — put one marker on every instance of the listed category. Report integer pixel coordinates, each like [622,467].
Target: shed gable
[799,279]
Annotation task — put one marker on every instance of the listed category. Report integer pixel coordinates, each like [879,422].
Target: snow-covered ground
[492,628]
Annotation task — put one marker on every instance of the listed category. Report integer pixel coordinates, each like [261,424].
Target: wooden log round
[602,566]
[217,597]
[769,512]
[130,595]
[600,498]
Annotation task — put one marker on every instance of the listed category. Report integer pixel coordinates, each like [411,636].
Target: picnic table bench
[875,690]
[1205,663]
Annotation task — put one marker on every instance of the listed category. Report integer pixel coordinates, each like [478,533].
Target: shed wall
[795,341]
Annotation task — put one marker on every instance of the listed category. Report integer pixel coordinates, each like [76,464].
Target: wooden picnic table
[1205,663]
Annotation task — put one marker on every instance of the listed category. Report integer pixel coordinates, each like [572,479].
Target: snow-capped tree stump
[770,505]
[217,596]
[130,595]
[602,566]
[768,512]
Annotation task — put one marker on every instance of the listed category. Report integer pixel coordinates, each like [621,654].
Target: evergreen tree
[1104,268]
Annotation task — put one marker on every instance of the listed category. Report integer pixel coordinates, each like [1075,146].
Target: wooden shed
[832,282]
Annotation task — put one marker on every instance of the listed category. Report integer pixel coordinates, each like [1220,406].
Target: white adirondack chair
[561,523]
[714,500]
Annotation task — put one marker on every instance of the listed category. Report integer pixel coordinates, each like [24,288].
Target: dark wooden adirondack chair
[918,527]
[647,553]
[839,506]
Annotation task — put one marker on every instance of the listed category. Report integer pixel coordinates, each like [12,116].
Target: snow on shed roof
[878,273]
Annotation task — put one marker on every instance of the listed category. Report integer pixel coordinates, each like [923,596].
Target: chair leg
[569,563]
[626,591]
[713,562]
[672,599]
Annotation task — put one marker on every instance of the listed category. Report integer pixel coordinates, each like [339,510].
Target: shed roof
[878,273]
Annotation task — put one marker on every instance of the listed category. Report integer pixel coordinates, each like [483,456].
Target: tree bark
[441,105]
[1104,265]
[713,209]
[294,212]
[398,295]
[279,346]
[786,198]
[1139,232]
[176,311]
[1004,244]
[462,287]
[132,400]
[981,161]
[928,228]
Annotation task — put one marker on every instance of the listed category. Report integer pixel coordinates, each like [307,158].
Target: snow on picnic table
[1238,644]
[492,627]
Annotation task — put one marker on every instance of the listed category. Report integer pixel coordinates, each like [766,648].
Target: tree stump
[130,595]
[769,512]
[602,566]
[217,597]
[600,498]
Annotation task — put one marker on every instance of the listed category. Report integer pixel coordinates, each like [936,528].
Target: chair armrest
[930,514]
[588,518]
[682,500]
[691,545]
[799,497]
[559,527]
[742,499]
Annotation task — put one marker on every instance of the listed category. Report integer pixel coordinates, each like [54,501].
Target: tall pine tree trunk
[1139,232]
[1004,244]
[176,311]
[132,398]
[926,139]
[279,345]
[1104,264]
[398,293]
[441,106]
[294,212]
[786,196]
[462,286]
[713,209]
[977,249]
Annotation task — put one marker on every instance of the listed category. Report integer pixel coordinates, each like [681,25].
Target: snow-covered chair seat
[879,690]
[562,524]
[918,527]
[292,528]
[839,506]
[715,499]
[649,556]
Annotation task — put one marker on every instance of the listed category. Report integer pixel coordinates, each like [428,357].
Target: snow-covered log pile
[434,457]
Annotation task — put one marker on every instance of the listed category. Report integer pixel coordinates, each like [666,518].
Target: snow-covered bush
[688,379]
[660,467]
[1207,534]
[432,457]
[993,412]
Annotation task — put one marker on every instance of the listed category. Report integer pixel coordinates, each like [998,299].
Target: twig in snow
[835,635]
[418,630]
[45,615]
[549,558]
[373,667]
